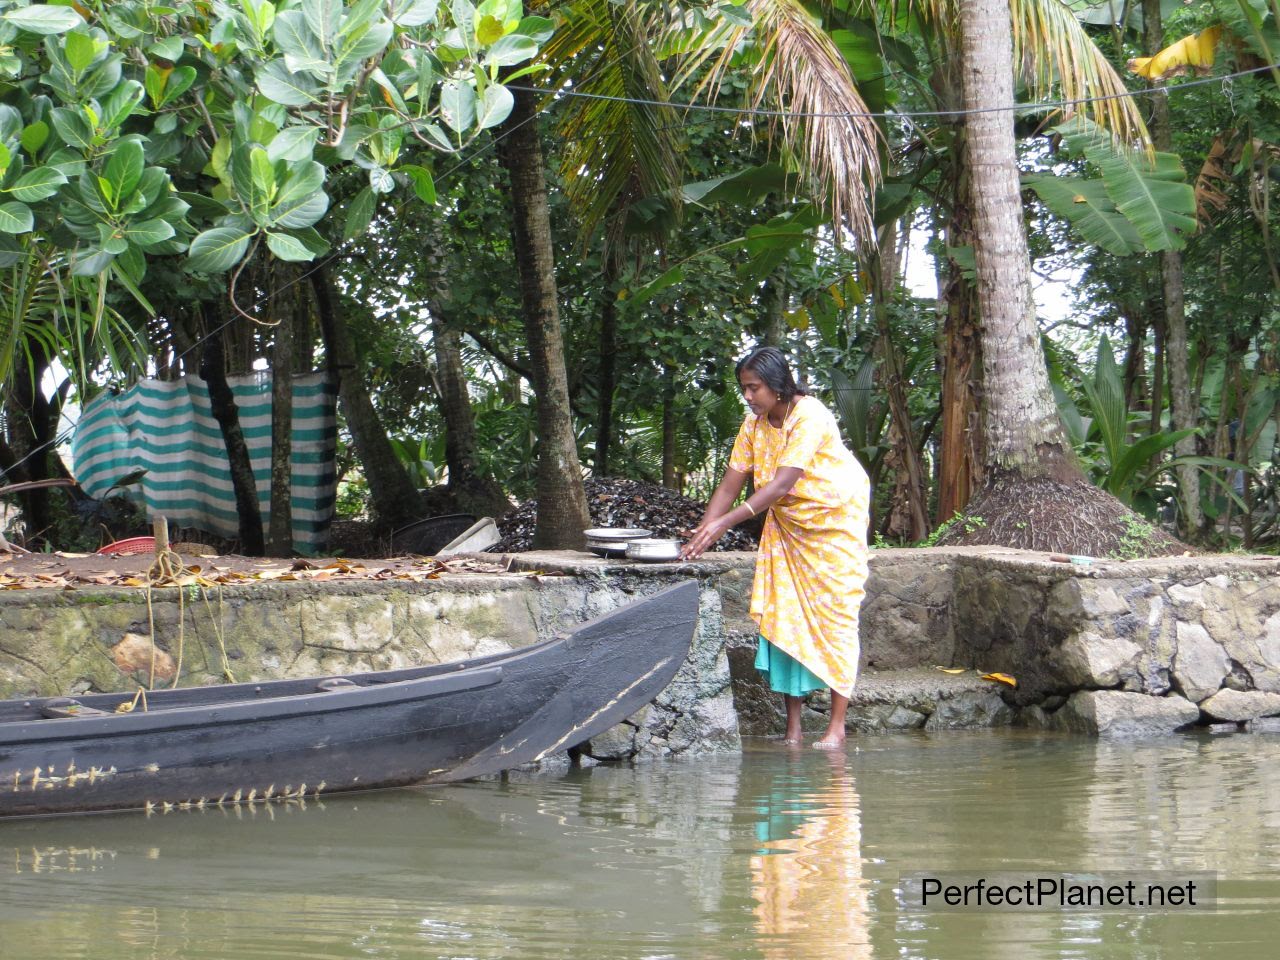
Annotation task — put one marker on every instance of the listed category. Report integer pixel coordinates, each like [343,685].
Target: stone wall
[100,640]
[1110,648]
[1201,634]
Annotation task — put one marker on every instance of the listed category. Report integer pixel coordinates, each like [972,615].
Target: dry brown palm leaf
[1210,197]
[820,116]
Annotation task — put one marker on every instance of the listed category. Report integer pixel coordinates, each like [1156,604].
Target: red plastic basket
[132,545]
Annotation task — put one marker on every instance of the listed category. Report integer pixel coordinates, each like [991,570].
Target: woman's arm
[719,519]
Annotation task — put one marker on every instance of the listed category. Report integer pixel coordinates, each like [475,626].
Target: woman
[812,563]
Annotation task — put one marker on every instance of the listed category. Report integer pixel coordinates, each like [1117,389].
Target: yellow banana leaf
[1191,52]
[1001,678]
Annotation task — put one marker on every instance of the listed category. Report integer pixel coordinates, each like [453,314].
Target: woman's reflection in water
[811,898]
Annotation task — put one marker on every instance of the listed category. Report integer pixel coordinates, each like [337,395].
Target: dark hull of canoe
[245,743]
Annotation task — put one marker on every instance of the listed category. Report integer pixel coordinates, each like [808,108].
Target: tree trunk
[608,361]
[395,500]
[668,427]
[213,370]
[1023,432]
[562,502]
[960,459]
[773,302]
[1175,317]
[31,426]
[1035,495]
[907,511]
[280,527]
[473,490]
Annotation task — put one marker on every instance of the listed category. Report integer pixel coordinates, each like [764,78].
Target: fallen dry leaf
[1001,678]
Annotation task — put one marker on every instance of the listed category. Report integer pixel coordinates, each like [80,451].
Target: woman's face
[758,396]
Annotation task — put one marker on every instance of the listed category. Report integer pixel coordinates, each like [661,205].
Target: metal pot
[612,541]
[653,550]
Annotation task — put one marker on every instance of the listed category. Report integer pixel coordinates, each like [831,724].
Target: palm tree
[1035,494]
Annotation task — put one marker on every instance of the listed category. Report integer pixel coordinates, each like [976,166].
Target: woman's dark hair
[769,364]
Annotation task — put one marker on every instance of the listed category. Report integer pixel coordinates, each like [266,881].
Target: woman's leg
[794,704]
[833,739]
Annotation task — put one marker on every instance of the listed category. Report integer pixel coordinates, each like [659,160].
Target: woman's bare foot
[834,740]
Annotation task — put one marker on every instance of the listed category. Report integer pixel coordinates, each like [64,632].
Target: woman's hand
[704,537]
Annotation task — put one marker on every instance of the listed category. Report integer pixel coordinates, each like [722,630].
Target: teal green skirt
[785,674]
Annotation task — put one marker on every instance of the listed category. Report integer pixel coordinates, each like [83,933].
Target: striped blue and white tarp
[168,427]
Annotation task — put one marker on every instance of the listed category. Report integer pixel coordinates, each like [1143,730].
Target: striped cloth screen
[168,427]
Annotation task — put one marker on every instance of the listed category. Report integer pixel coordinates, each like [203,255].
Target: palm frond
[1057,59]
[1056,54]
[800,73]
[616,150]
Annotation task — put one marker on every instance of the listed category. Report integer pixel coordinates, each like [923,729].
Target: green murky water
[774,853]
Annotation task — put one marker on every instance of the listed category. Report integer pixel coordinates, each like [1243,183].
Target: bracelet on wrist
[751,509]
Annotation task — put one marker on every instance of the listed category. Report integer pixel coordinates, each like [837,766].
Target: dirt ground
[69,571]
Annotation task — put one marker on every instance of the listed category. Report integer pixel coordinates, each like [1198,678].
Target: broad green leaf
[146,232]
[219,158]
[1156,200]
[38,184]
[293,144]
[155,79]
[323,17]
[121,103]
[34,136]
[279,84]
[44,19]
[358,47]
[124,170]
[217,250]
[359,15]
[170,48]
[294,37]
[80,49]
[495,106]
[262,190]
[6,158]
[91,263]
[179,81]
[412,13]
[441,138]
[111,241]
[423,183]
[359,214]
[72,127]
[381,181]
[11,252]
[1119,480]
[286,247]
[464,17]
[16,218]
[458,105]
[301,199]
[489,30]
[1086,205]
[509,51]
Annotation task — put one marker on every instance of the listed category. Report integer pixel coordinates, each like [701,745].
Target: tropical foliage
[173,173]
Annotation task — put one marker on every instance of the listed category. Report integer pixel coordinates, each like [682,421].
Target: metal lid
[616,533]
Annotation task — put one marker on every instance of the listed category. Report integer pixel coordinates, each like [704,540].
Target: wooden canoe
[249,742]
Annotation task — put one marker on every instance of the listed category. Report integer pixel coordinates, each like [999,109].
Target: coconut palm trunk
[1024,436]
[1035,495]
[562,502]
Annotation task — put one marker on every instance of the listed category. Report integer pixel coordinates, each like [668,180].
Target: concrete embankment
[1108,649]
